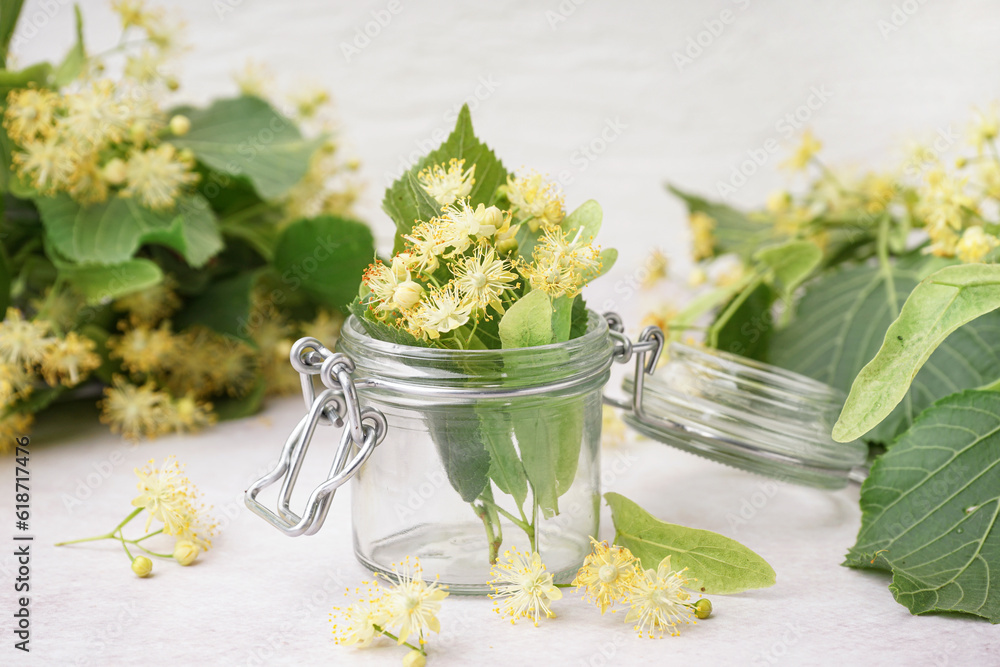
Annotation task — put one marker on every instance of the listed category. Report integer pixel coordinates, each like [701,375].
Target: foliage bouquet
[898,307]
[171,254]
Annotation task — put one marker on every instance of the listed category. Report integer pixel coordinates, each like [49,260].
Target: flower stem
[110,535]
[396,639]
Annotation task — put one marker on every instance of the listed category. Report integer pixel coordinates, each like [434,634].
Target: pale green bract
[720,564]
[939,305]
[528,322]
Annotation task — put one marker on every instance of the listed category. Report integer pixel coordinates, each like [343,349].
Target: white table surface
[260,598]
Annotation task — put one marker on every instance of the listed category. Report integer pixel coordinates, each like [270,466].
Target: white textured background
[553,87]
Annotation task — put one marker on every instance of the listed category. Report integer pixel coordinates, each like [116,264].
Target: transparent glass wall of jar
[486,450]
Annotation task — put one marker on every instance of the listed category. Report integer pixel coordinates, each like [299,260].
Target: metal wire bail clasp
[365,428]
[646,350]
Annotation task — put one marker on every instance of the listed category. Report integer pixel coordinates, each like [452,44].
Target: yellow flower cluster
[406,610]
[89,142]
[32,355]
[657,599]
[462,265]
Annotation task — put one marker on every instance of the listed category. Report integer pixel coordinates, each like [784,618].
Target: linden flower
[804,153]
[30,113]
[658,268]
[483,278]
[22,341]
[522,587]
[703,240]
[87,184]
[254,78]
[95,116]
[69,359]
[194,526]
[47,163]
[362,621]
[975,245]
[537,202]
[985,127]
[16,383]
[561,267]
[13,426]
[659,601]
[446,183]
[411,604]
[143,349]
[136,14]
[150,305]
[425,244]
[442,311]
[156,176]
[608,574]
[189,414]
[134,411]
[392,286]
[164,493]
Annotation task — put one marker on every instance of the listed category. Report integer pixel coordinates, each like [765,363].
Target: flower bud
[185,552]
[114,171]
[703,608]
[414,659]
[180,125]
[142,566]
[407,294]
[507,247]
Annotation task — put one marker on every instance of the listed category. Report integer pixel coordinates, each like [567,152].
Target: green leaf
[37,400]
[101,283]
[930,506]
[550,437]
[111,232]
[458,437]
[246,137]
[938,306]
[223,307]
[506,469]
[562,314]
[733,232]
[586,220]
[379,330]
[749,328]
[579,319]
[790,262]
[74,61]
[326,257]
[721,565]
[8,22]
[528,322]
[406,205]
[841,321]
[461,144]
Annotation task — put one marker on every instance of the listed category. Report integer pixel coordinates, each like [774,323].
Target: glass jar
[479,451]
[485,450]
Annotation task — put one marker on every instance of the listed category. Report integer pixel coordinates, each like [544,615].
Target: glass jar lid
[746,414]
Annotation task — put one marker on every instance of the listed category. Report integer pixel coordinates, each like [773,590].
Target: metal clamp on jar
[466,436]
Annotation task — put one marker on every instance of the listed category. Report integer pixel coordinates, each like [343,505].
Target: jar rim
[579,362]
